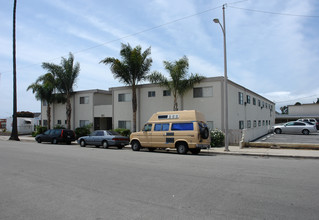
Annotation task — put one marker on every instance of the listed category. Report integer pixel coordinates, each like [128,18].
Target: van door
[146,136]
[159,138]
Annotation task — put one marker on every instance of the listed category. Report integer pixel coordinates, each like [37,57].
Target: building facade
[88,107]
[299,111]
[248,113]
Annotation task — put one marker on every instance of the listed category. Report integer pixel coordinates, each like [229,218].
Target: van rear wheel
[182,148]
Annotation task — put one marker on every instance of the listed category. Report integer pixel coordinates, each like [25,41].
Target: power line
[297,99]
[275,13]
[136,33]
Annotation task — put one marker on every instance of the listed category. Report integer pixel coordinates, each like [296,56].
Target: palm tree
[179,83]
[14,133]
[65,75]
[133,68]
[44,90]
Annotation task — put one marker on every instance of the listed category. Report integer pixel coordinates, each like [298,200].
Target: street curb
[266,155]
[282,145]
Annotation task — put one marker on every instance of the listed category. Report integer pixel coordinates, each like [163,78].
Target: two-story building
[247,110]
[88,106]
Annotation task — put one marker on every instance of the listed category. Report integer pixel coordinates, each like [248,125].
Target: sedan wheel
[54,141]
[105,144]
[39,140]
[278,131]
[305,132]
[82,143]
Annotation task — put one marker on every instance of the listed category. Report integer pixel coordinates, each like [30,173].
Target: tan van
[183,130]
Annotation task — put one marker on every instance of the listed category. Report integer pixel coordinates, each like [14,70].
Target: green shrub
[39,130]
[83,131]
[217,138]
[59,127]
[123,131]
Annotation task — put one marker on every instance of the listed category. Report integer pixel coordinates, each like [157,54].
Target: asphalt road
[44,181]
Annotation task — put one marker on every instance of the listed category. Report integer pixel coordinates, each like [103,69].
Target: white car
[311,120]
[295,127]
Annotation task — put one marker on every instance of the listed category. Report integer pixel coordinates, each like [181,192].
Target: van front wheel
[182,148]
[136,146]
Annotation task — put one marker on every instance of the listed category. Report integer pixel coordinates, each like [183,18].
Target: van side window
[165,127]
[182,126]
[158,127]
[161,127]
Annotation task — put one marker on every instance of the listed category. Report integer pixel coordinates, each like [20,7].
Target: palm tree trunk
[134,106]
[175,102]
[14,132]
[49,115]
[68,111]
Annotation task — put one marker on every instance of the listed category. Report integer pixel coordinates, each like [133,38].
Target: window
[65,122]
[248,99]
[44,103]
[254,101]
[59,122]
[161,127]
[240,98]
[259,123]
[210,125]
[255,123]
[124,124]
[182,126]
[151,93]
[248,124]
[241,124]
[166,93]
[84,123]
[258,103]
[124,97]
[202,92]
[147,127]
[84,100]
[263,122]
[45,122]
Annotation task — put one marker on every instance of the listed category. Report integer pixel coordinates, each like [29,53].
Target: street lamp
[223,27]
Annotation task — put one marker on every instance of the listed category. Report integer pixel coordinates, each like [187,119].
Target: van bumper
[203,146]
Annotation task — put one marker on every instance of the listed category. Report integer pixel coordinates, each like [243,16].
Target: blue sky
[272,46]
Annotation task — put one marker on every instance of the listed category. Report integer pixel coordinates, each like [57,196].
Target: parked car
[295,127]
[311,120]
[105,139]
[56,136]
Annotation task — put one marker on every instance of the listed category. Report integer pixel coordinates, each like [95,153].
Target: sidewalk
[234,150]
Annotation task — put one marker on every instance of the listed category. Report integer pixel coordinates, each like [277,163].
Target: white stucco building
[249,113]
[89,106]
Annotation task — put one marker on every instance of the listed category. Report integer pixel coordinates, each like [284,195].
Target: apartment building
[248,112]
[88,106]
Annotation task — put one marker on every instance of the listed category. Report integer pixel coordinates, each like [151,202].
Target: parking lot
[291,138]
